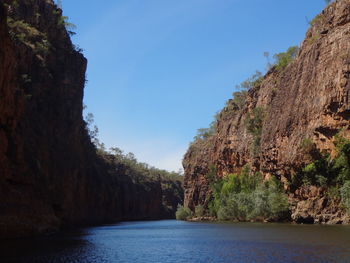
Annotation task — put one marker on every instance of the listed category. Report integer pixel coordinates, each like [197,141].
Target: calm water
[174,241]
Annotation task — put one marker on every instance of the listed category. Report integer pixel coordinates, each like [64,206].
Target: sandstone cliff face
[309,99]
[50,175]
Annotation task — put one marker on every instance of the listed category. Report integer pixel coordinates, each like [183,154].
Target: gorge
[281,144]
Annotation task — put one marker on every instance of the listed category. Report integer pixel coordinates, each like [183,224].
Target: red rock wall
[309,99]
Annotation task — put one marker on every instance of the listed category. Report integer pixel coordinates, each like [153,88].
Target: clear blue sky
[160,69]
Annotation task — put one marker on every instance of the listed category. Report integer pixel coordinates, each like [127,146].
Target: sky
[158,70]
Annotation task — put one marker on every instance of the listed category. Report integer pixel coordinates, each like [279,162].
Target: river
[176,241]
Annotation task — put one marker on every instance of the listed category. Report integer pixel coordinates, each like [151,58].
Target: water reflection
[59,248]
[173,241]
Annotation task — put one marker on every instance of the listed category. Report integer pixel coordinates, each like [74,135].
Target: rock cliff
[50,174]
[307,100]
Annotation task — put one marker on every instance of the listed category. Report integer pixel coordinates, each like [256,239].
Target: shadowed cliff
[50,173]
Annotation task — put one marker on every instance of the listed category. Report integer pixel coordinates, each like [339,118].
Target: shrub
[239,98]
[254,124]
[317,172]
[307,145]
[333,193]
[64,21]
[314,38]
[245,196]
[199,211]
[283,59]
[317,19]
[28,35]
[277,200]
[211,175]
[341,163]
[324,171]
[345,195]
[251,82]
[321,180]
[183,213]
[232,105]
[205,133]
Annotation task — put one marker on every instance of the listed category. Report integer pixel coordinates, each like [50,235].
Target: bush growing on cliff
[317,172]
[211,175]
[283,59]
[317,19]
[239,97]
[251,82]
[205,133]
[92,129]
[342,161]
[254,124]
[183,213]
[64,21]
[324,170]
[333,174]
[199,211]
[345,196]
[22,32]
[232,106]
[307,146]
[246,196]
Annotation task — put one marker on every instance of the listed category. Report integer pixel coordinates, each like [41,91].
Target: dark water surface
[174,241]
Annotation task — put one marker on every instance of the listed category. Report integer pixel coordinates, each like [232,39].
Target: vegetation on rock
[345,196]
[332,174]
[246,196]
[304,93]
[254,124]
[232,106]
[283,59]
[183,213]
[28,35]
[140,173]
[199,211]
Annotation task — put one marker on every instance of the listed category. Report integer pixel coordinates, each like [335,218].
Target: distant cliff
[299,110]
[50,174]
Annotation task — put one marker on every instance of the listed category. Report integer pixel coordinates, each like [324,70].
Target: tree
[283,59]
[205,133]
[251,82]
[183,213]
[92,129]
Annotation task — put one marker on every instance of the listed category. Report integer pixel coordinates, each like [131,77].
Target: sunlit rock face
[310,99]
[50,175]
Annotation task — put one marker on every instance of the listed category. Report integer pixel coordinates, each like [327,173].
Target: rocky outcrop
[309,99]
[50,174]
